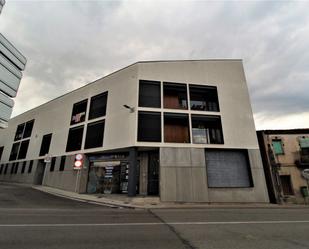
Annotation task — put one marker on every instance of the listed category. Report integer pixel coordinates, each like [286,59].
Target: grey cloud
[69,44]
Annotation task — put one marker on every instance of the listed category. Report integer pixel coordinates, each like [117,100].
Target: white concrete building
[182,130]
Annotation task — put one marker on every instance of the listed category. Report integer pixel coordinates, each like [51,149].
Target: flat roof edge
[119,70]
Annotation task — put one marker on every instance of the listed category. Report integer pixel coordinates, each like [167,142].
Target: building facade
[285,154]
[12,63]
[181,130]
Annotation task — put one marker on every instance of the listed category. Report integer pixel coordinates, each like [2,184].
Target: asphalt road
[32,219]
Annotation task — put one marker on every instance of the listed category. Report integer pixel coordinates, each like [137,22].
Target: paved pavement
[32,219]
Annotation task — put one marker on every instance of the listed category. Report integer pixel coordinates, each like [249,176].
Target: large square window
[206,129]
[149,127]
[149,93]
[23,149]
[204,98]
[94,136]
[79,112]
[45,144]
[175,96]
[98,106]
[176,128]
[14,151]
[75,138]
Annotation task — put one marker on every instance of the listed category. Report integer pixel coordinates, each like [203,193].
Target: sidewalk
[140,202]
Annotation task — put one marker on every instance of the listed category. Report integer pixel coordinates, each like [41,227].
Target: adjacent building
[180,130]
[285,155]
[12,63]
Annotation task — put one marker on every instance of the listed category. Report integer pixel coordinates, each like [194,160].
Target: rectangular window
[16,168]
[62,163]
[6,168]
[75,137]
[1,169]
[23,149]
[278,146]
[79,112]
[94,135]
[149,93]
[175,96]
[52,164]
[176,128]
[14,151]
[204,98]
[23,167]
[19,132]
[228,168]
[286,184]
[206,129]
[1,151]
[28,129]
[45,144]
[30,166]
[149,127]
[98,106]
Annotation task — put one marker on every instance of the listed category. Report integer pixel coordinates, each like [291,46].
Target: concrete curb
[101,203]
[119,204]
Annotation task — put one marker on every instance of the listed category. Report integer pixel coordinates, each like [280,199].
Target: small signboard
[78,164]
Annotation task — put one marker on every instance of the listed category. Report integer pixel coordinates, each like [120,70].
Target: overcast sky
[71,43]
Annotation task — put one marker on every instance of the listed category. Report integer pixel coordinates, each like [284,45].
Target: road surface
[32,219]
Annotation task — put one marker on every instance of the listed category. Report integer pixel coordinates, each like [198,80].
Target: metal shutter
[228,168]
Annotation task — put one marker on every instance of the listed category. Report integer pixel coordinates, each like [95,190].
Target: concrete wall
[183,175]
[183,178]
[68,179]
[19,177]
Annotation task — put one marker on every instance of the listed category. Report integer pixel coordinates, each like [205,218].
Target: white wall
[121,125]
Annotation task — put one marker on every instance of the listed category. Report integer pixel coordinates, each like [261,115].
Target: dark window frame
[23,167]
[45,144]
[149,95]
[28,129]
[19,132]
[23,149]
[93,109]
[13,156]
[62,163]
[6,168]
[30,166]
[1,151]
[145,133]
[96,142]
[52,164]
[69,146]
[83,104]
[214,135]
[208,94]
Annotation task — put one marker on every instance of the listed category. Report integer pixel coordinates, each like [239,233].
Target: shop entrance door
[153,173]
